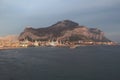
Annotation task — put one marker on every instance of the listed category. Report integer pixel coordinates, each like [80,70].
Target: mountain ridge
[65,30]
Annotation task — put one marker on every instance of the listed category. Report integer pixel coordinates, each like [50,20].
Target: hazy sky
[15,15]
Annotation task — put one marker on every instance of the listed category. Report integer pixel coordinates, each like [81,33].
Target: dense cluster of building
[6,43]
[26,43]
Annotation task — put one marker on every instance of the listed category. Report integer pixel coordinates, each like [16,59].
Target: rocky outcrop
[65,31]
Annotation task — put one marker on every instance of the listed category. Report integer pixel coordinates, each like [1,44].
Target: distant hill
[9,38]
[66,30]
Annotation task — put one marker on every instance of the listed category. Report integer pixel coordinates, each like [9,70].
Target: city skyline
[103,14]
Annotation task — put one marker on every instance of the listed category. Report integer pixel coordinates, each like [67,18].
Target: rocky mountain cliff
[64,31]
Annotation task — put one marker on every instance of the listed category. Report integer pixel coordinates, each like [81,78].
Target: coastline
[9,48]
[71,47]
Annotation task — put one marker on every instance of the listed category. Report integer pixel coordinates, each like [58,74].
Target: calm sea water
[49,63]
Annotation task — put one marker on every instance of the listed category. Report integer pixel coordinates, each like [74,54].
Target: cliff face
[64,30]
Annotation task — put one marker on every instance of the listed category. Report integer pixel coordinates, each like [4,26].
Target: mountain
[66,30]
[9,38]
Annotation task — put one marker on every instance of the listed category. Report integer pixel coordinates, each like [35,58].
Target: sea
[54,63]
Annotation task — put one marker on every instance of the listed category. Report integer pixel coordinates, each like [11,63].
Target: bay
[52,63]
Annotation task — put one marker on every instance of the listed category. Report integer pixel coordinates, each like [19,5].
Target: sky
[15,15]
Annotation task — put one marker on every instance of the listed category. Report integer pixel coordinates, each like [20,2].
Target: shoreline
[71,47]
[9,48]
